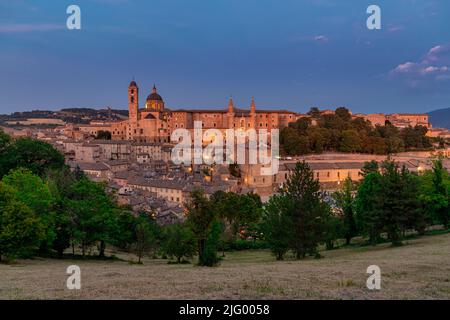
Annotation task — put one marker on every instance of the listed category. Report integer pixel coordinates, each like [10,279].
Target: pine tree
[345,202]
[367,204]
[201,216]
[277,225]
[308,211]
[392,204]
[441,196]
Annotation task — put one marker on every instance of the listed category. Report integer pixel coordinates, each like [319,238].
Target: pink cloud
[432,67]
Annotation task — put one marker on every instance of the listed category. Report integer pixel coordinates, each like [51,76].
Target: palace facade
[155,123]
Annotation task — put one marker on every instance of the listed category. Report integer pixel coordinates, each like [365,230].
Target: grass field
[418,270]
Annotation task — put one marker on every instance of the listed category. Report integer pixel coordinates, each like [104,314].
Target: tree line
[384,206]
[339,132]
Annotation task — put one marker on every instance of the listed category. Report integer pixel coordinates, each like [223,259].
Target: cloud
[433,66]
[438,53]
[15,28]
[321,38]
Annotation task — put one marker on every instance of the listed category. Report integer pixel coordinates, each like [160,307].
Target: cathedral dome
[154,96]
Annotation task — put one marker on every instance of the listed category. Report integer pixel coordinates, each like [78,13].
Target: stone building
[155,122]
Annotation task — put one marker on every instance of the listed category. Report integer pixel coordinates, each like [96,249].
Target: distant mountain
[440,118]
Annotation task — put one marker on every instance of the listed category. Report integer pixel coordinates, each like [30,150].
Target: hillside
[440,118]
[71,115]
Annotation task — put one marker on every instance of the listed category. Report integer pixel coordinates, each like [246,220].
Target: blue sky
[292,54]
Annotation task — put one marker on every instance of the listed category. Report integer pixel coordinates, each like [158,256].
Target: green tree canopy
[34,155]
[21,229]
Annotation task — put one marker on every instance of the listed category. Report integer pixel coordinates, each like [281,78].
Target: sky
[290,54]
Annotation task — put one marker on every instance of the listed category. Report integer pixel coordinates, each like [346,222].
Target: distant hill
[440,118]
[70,115]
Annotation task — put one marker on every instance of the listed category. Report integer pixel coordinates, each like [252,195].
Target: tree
[60,184]
[298,217]
[393,204]
[237,210]
[350,141]
[5,141]
[436,194]
[179,242]
[20,228]
[411,203]
[368,214]
[343,113]
[201,215]
[35,194]
[301,125]
[145,238]
[334,229]
[345,203]
[374,145]
[309,212]
[314,112]
[93,214]
[277,225]
[294,143]
[394,145]
[37,156]
[316,140]
[125,236]
[388,201]
[210,257]
[370,167]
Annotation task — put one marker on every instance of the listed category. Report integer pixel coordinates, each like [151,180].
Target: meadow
[420,269]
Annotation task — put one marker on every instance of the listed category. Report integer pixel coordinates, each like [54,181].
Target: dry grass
[418,270]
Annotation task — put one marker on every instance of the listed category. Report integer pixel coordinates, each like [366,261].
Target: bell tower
[253,113]
[230,114]
[133,102]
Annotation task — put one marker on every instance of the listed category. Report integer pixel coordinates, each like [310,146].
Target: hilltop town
[133,154]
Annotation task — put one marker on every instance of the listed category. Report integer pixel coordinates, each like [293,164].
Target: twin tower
[232,118]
